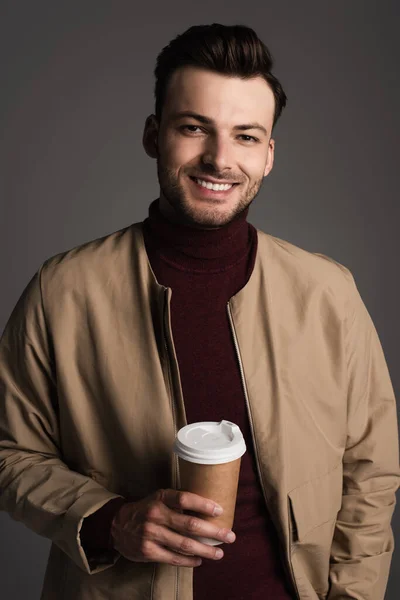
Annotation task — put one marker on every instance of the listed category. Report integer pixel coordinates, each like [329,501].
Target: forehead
[225,99]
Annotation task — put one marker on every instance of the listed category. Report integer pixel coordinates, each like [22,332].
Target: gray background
[76,87]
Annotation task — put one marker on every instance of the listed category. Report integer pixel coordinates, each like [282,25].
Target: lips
[203,192]
[214,181]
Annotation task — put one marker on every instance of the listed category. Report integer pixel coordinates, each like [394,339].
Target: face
[214,129]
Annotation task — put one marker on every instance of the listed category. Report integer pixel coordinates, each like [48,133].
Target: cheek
[253,166]
[253,169]
[179,151]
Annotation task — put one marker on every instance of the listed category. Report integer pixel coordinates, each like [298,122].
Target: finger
[157,553]
[190,525]
[185,545]
[177,499]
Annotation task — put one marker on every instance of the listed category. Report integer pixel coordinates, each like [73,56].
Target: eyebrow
[207,121]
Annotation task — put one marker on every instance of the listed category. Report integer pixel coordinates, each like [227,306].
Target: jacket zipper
[236,344]
[175,474]
[171,388]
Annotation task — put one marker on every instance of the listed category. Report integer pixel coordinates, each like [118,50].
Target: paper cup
[209,456]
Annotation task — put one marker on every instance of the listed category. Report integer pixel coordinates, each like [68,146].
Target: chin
[209,216]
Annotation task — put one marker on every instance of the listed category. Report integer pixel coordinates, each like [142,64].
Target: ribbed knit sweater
[204,269]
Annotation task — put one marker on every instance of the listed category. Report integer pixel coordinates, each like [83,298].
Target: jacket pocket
[315,502]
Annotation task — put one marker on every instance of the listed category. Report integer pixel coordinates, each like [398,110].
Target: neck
[197,248]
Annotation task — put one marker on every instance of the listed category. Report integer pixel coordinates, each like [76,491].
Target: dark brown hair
[233,50]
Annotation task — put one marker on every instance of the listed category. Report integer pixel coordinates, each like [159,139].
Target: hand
[155,529]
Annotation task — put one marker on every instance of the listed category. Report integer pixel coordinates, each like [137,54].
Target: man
[195,315]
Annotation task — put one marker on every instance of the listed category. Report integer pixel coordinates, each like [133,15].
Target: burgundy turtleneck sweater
[204,269]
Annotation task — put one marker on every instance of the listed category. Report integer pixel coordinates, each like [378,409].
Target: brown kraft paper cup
[209,455]
[215,482]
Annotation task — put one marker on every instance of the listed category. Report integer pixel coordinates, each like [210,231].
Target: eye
[189,128]
[250,138]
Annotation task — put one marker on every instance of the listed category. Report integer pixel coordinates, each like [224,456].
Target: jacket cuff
[95,533]
[68,539]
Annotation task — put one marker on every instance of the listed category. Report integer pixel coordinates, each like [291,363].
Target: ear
[270,157]
[150,136]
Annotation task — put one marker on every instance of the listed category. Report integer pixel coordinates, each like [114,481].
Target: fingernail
[218,510]
[219,553]
[230,537]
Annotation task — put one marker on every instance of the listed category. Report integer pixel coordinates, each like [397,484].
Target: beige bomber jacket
[90,400]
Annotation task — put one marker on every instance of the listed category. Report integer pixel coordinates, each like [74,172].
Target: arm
[363,541]
[37,487]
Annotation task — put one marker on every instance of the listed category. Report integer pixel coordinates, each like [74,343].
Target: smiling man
[196,315]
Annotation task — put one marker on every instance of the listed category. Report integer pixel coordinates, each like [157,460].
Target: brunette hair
[233,50]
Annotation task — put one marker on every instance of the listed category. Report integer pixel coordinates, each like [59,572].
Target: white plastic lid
[210,442]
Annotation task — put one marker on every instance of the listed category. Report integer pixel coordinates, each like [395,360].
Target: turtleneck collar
[197,250]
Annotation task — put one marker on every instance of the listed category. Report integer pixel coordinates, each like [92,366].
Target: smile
[207,188]
[217,187]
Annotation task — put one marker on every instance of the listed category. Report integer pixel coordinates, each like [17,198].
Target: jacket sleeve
[363,540]
[36,486]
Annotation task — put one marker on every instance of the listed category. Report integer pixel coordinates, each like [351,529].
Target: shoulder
[304,270]
[94,258]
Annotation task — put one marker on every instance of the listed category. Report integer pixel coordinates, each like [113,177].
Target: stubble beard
[206,216]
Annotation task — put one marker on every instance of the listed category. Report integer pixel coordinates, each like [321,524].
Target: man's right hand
[155,529]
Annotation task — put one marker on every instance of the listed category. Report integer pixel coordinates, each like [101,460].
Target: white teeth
[216,187]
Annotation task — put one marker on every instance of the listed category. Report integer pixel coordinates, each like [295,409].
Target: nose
[218,154]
